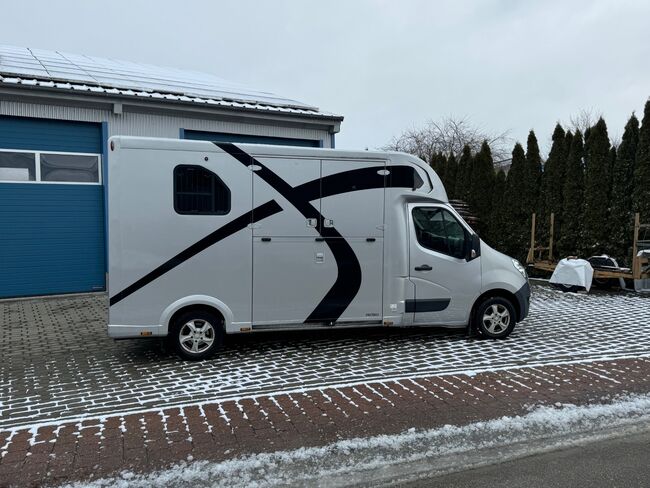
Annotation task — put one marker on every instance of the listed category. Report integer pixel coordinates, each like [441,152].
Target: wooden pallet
[640,265]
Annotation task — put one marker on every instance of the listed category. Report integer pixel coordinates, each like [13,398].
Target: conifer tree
[438,163]
[462,187]
[585,142]
[443,169]
[641,196]
[553,178]
[498,227]
[433,161]
[516,240]
[612,163]
[597,180]
[532,175]
[573,197]
[452,170]
[568,140]
[567,145]
[610,184]
[481,182]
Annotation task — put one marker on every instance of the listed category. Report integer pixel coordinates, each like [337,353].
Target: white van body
[299,238]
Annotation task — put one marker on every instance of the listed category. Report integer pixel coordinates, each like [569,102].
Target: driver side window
[438,230]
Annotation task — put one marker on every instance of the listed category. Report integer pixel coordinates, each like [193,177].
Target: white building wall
[156,125]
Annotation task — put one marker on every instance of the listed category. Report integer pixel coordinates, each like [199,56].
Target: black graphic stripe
[348,181]
[232,227]
[427,305]
[348,279]
[367,178]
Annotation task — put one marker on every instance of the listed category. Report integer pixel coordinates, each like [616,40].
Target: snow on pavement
[56,377]
[408,455]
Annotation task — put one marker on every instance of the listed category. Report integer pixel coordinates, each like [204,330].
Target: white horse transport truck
[208,239]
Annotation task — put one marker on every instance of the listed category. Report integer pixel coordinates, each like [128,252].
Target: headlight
[518,266]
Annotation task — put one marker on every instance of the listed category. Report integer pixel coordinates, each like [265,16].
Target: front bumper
[523,299]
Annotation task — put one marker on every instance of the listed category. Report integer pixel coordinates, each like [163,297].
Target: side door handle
[424,267]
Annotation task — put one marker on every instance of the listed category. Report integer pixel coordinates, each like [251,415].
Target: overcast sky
[384,65]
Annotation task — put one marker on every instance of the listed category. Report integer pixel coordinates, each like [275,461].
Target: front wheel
[196,335]
[495,318]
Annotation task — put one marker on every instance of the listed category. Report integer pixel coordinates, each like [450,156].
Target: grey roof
[65,71]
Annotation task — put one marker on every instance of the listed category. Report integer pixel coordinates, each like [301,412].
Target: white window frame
[37,172]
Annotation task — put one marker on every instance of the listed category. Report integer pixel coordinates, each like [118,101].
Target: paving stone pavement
[58,363]
[218,431]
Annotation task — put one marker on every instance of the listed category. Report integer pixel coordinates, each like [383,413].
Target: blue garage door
[248,139]
[51,207]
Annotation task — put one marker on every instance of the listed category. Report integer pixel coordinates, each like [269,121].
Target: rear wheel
[495,318]
[196,335]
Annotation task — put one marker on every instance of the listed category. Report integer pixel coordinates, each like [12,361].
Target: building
[57,111]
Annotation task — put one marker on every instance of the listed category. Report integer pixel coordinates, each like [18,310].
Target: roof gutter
[118,103]
[130,94]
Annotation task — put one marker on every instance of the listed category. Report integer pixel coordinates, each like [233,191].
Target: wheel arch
[501,293]
[193,302]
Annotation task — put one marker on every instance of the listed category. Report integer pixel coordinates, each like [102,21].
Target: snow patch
[371,458]
[333,386]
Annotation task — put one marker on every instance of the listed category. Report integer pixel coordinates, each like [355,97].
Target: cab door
[446,276]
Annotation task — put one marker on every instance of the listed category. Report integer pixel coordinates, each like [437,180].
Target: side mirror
[474,247]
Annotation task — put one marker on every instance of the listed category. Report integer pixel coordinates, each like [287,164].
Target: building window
[69,167]
[49,167]
[198,191]
[17,166]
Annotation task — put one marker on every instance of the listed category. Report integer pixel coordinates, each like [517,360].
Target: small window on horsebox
[198,191]
[421,181]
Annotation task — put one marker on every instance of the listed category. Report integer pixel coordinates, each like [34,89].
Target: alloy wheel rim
[496,319]
[196,336]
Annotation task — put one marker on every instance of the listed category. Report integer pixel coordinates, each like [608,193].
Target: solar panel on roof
[75,68]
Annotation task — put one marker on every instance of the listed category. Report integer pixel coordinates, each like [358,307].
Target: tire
[196,335]
[604,283]
[495,318]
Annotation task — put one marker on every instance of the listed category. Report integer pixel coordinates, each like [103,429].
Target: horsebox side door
[352,206]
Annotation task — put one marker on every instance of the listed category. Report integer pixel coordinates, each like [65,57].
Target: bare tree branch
[583,120]
[448,136]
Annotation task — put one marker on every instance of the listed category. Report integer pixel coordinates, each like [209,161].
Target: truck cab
[208,239]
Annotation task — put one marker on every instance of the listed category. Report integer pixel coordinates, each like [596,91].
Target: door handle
[424,267]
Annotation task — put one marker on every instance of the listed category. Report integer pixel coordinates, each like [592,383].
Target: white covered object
[576,272]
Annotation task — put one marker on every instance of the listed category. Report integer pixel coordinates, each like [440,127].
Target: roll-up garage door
[51,207]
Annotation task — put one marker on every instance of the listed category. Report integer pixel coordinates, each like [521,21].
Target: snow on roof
[65,71]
